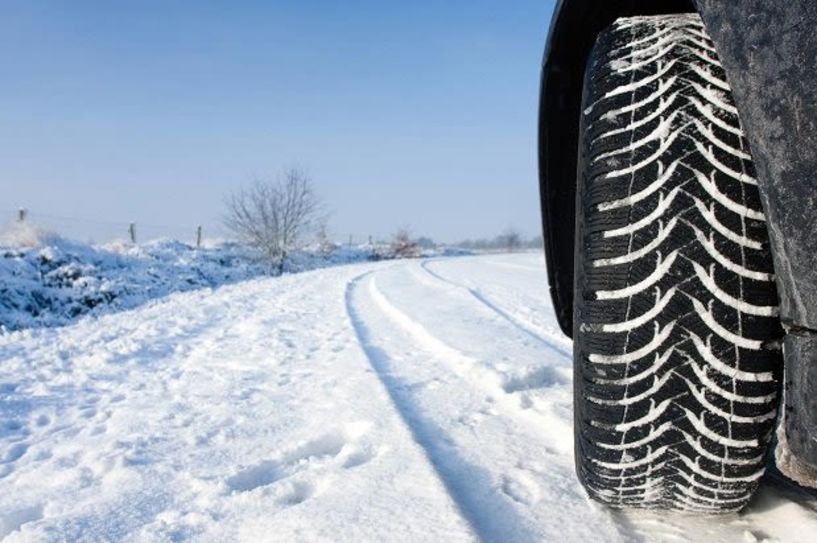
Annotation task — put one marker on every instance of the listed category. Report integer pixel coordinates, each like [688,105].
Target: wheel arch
[574,27]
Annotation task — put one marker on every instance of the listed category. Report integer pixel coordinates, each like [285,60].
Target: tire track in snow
[480,375]
[514,321]
[491,454]
[484,379]
[477,505]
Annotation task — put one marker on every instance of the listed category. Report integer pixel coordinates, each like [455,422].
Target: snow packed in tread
[676,308]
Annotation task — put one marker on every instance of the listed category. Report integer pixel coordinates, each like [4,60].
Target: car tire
[676,328]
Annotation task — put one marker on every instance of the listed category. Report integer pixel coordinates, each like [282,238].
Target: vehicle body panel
[769,52]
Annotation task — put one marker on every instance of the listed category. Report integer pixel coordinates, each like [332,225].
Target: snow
[46,280]
[412,400]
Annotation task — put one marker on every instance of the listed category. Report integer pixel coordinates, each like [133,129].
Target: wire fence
[94,231]
[102,230]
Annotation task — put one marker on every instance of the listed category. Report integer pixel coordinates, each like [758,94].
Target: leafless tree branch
[275,217]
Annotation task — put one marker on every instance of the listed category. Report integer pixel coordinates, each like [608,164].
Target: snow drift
[46,280]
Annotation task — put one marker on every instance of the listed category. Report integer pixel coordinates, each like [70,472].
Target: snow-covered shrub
[51,284]
[403,246]
[46,280]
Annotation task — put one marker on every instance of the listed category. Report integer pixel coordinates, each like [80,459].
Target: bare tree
[275,216]
[402,245]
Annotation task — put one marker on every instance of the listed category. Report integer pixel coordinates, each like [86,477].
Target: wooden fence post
[198,237]
[21,214]
[132,232]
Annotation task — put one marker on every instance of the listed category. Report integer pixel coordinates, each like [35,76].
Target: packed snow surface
[416,400]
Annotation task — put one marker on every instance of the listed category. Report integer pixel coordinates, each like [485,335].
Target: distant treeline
[510,240]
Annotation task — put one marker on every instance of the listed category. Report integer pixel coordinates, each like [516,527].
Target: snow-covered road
[401,401]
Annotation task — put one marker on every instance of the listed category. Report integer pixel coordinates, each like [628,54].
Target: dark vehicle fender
[769,52]
[573,31]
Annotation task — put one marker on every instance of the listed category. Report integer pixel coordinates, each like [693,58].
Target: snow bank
[54,281]
[46,280]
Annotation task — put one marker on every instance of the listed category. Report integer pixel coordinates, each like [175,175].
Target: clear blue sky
[419,113]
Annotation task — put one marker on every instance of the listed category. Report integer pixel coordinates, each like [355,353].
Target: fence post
[132,232]
[198,237]
[350,240]
[21,214]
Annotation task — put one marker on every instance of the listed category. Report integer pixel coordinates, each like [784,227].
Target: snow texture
[414,400]
[49,281]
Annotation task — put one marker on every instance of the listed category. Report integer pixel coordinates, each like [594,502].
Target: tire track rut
[490,454]
[476,505]
[514,321]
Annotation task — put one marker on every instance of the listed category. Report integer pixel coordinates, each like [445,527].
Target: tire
[676,328]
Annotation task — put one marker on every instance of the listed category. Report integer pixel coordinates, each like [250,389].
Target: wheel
[676,328]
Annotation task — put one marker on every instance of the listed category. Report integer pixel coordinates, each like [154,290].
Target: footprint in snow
[14,453]
[11,426]
[267,472]
[357,457]
[542,377]
[262,474]
[9,458]
[298,492]
[12,520]
[14,430]
[297,469]
[521,488]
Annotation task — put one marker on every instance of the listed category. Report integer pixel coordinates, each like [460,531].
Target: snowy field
[421,400]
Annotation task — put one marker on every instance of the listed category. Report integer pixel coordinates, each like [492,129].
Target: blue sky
[418,113]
